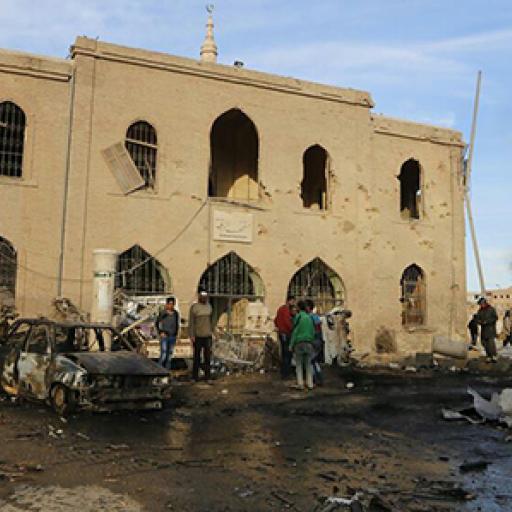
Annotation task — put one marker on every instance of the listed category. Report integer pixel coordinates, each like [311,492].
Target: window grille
[146,279]
[413,296]
[8,268]
[230,276]
[228,281]
[319,283]
[141,143]
[12,139]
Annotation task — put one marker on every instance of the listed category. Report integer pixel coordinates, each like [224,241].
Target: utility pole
[467,180]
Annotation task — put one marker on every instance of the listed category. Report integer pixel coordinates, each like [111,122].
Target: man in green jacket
[486,318]
[301,344]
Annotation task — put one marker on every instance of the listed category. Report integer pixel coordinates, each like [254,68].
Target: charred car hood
[116,363]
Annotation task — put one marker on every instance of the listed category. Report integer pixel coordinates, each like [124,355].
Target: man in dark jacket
[486,318]
[168,326]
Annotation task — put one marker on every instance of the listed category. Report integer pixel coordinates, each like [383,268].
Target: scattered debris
[479,465]
[498,409]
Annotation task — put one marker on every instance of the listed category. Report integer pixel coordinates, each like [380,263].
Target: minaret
[209,48]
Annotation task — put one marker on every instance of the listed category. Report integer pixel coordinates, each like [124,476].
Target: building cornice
[137,57]
[35,66]
[403,129]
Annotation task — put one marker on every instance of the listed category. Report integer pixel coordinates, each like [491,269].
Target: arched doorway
[234,157]
[139,274]
[320,283]
[231,284]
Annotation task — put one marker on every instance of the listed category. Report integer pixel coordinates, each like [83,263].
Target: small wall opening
[314,186]
[8,271]
[413,296]
[410,189]
[318,282]
[140,274]
[234,157]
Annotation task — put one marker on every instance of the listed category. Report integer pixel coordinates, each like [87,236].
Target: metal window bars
[227,281]
[314,282]
[8,267]
[12,139]
[413,296]
[141,144]
[229,277]
[146,279]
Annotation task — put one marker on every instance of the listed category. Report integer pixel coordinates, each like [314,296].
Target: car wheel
[63,399]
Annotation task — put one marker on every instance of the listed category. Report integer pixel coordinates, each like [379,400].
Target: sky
[418,58]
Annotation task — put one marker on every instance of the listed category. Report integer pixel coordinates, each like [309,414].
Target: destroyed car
[69,365]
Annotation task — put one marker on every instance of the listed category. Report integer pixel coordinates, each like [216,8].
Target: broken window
[410,189]
[318,282]
[413,296]
[314,186]
[12,139]
[123,169]
[234,157]
[8,268]
[140,274]
[141,144]
[231,283]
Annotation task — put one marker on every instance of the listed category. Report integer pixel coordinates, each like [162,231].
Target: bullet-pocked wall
[355,227]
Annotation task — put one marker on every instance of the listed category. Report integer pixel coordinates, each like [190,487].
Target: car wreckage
[67,365]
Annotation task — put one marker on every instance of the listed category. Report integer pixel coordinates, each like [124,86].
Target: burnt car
[67,365]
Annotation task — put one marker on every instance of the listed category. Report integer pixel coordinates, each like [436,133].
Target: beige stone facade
[353,221]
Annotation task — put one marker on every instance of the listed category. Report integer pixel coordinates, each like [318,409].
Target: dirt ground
[251,443]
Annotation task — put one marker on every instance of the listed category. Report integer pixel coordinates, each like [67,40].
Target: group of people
[200,331]
[300,335]
[484,320]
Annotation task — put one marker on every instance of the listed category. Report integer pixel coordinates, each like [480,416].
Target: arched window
[12,139]
[8,269]
[139,274]
[410,189]
[413,296]
[320,283]
[141,143]
[314,186]
[231,281]
[234,157]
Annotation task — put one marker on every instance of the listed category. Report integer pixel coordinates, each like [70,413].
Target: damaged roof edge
[215,71]
[396,127]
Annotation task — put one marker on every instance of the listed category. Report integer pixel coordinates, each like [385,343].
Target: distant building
[500,298]
[249,184]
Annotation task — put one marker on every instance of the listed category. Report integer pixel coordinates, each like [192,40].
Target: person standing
[284,325]
[473,331]
[318,344]
[301,342]
[168,326]
[486,318]
[200,328]
[507,329]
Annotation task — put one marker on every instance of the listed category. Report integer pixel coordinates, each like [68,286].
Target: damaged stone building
[249,184]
